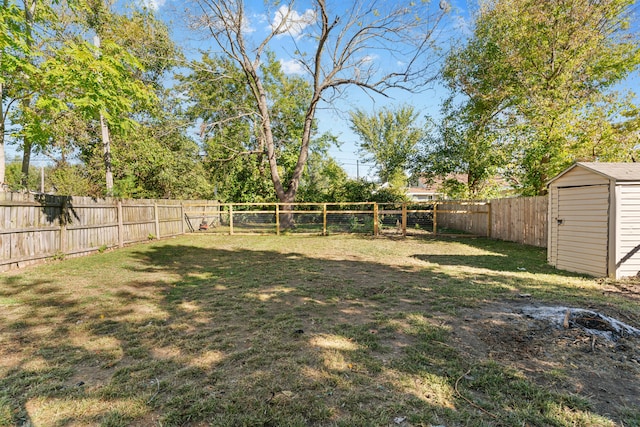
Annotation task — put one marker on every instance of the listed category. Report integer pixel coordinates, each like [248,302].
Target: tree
[230,126]
[82,87]
[463,142]
[336,48]
[469,139]
[96,83]
[537,73]
[14,179]
[15,67]
[388,139]
[159,160]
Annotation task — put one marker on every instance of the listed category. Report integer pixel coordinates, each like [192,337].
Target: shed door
[583,229]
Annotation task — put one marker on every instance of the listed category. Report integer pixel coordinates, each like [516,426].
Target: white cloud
[153,4]
[291,66]
[368,58]
[246,26]
[292,22]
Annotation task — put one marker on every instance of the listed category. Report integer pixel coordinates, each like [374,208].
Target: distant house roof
[435,184]
[420,190]
[617,171]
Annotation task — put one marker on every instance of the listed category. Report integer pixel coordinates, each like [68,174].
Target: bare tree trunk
[106,149]
[2,153]
[106,141]
[26,162]
[27,144]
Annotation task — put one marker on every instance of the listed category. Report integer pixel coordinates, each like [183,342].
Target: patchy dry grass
[280,331]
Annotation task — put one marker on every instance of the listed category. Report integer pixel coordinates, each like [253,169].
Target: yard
[312,331]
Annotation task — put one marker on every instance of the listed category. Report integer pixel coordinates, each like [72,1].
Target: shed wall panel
[552,245]
[582,223]
[628,247]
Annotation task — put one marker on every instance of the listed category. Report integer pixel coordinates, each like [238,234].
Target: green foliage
[234,141]
[14,177]
[462,144]
[14,47]
[16,68]
[70,180]
[333,53]
[389,195]
[359,190]
[536,82]
[322,176]
[93,81]
[158,160]
[76,82]
[388,138]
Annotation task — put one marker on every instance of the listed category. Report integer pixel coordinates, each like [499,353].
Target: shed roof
[619,172]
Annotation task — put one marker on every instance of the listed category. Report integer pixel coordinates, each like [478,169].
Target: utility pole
[106,140]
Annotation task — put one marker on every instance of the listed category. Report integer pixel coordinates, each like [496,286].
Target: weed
[58,256]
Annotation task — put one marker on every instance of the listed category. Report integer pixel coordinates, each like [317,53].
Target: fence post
[231,220]
[182,218]
[375,219]
[324,219]
[404,219]
[435,218]
[488,219]
[120,226]
[277,219]
[63,225]
[156,219]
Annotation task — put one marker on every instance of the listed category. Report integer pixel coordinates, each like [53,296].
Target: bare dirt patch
[566,359]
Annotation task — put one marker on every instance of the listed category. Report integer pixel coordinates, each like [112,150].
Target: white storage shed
[594,219]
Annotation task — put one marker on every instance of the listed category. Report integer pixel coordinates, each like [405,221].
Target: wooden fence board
[522,220]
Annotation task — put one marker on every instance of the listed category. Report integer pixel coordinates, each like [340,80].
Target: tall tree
[388,138]
[83,87]
[15,65]
[29,20]
[540,71]
[458,145]
[230,127]
[336,45]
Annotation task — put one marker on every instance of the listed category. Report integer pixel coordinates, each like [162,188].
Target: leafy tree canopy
[534,90]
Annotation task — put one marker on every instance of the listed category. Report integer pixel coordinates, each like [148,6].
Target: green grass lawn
[279,331]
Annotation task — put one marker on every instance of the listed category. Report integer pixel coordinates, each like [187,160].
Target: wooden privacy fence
[521,219]
[35,227]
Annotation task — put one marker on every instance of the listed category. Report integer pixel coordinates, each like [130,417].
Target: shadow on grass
[254,337]
[497,256]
